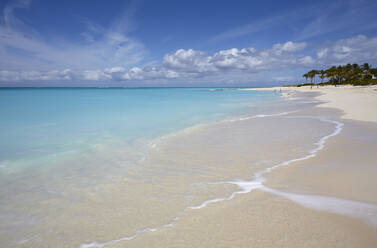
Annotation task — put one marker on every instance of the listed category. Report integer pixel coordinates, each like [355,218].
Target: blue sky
[180,43]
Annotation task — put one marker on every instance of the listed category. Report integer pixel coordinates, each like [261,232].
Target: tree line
[348,74]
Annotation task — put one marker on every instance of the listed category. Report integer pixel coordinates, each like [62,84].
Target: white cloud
[54,75]
[22,47]
[316,18]
[284,79]
[94,75]
[354,17]
[358,49]
[190,61]
[235,59]
[10,76]
[134,73]
[246,59]
[283,19]
[9,19]
[307,60]
[289,46]
[322,53]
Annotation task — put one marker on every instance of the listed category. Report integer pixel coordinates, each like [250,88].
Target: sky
[180,43]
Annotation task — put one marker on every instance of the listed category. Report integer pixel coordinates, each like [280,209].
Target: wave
[244,118]
[154,143]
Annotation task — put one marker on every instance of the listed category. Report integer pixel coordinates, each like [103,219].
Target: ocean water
[96,167]
[37,123]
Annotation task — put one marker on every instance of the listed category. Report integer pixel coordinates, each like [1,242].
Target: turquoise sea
[37,123]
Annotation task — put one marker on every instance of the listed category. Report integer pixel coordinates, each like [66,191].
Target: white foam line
[247,187]
[207,202]
[260,116]
[136,234]
[100,245]
[356,209]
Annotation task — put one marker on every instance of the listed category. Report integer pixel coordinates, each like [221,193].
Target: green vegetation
[339,75]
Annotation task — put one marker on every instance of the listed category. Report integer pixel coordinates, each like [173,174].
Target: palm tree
[316,72]
[373,71]
[312,74]
[322,75]
[366,67]
[331,73]
[356,72]
[366,71]
[352,74]
[347,72]
[339,74]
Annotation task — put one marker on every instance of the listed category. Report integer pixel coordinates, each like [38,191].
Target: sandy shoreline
[321,201]
[357,102]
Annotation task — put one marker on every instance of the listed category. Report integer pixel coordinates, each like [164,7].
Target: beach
[344,169]
[165,124]
[322,198]
[289,170]
[317,202]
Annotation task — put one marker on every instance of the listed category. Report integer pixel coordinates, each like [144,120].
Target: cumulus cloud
[188,61]
[245,59]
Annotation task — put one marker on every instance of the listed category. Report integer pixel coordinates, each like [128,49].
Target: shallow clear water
[40,122]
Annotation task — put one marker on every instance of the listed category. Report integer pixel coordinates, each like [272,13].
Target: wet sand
[259,219]
[347,168]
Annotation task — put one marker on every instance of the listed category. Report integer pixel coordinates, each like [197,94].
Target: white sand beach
[357,102]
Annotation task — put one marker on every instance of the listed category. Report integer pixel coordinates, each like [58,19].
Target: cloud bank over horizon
[191,64]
